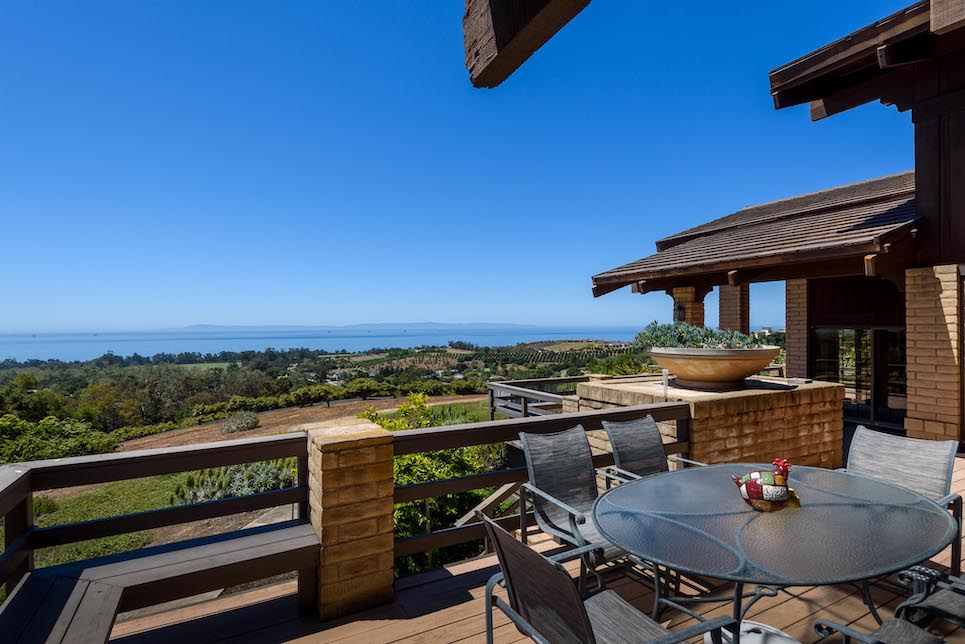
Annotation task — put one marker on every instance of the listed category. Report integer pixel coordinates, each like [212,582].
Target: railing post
[351,497]
[525,406]
[16,524]
[492,404]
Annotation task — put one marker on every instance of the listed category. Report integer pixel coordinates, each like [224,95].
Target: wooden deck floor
[446,605]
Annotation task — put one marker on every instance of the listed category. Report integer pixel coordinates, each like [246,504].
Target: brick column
[796,324]
[933,324]
[688,304]
[351,500]
[735,307]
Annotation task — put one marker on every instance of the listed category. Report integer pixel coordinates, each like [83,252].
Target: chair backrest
[561,465]
[637,446]
[923,466]
[544,595]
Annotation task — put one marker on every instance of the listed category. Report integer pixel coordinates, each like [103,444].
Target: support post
[689,304]
[735,307]
[351,497]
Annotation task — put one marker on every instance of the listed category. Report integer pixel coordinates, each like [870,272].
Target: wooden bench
[78,602]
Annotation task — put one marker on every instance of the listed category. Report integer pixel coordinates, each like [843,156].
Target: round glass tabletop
[848,527]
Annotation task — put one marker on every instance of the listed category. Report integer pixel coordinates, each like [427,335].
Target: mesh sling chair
[562,488]
[923,466]
[638,449]
[891,631]
[545,604]
[933,593]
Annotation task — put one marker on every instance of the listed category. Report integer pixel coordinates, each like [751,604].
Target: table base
[757,633]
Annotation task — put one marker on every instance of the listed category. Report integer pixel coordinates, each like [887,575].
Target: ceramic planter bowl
[713,369]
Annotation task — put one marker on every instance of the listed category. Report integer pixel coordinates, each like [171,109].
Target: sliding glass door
[870,363]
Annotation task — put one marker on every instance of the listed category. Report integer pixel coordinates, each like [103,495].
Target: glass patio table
[849,528]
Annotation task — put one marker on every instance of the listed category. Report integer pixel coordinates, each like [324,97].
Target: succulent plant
[681,335]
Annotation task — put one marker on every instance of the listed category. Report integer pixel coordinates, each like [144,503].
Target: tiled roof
[842,221]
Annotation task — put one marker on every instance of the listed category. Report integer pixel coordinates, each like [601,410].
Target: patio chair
[562,487]
[638,449]
[545,604]
[923,466]
[891,631]
[933,593]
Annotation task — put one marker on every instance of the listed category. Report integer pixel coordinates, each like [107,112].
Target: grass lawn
[110,499]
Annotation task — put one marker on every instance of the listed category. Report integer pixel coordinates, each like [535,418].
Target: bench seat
[78,602]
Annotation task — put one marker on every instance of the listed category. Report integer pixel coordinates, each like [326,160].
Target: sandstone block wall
[351,503]
[933,325]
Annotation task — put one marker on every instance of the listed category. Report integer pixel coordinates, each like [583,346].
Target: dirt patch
[275,422]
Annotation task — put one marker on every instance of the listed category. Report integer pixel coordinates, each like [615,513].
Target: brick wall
[933,325]
[688,305]
[351,503]
[804,424]
[796,312]
[735,308]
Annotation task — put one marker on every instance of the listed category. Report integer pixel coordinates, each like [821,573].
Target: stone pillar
[351,499]
[796,324]
[688,304]
[735,308]
[933,304]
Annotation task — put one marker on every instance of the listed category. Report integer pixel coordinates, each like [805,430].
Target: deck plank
[446,605]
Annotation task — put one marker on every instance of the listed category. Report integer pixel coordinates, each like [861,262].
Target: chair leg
[869,601]
[957,543]
[522,516]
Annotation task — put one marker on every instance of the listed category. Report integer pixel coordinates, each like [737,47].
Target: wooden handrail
[416,441]
[121,466]
[19,481]
[532,394]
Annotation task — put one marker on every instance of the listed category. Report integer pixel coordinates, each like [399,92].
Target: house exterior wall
[735,308]
[934,328]
[796,314]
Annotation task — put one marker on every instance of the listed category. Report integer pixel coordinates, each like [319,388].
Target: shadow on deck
[446,605]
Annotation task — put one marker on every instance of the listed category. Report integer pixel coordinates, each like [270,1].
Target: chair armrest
[681,459]
[624,473]
[616,474]
[825,628]
[691,632]
[573,512]
[948,500]
[575,553]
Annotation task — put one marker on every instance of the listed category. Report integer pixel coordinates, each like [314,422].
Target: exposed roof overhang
[856,229]
[872,63]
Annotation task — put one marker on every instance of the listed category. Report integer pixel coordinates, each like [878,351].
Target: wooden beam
[500,35]
[906,52]
[852,96]
[947,15]
[869,265]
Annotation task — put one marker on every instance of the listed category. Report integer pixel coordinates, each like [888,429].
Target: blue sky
[223,162]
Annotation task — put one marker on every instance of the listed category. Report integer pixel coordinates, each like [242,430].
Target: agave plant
[681,335]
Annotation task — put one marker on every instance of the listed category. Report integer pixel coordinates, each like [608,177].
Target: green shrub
[687,336]
[235,480]
[241,422]
[23,440]
[43,504]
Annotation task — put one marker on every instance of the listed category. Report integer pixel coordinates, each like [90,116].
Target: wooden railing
[418,441]
[19,481]
[536,396]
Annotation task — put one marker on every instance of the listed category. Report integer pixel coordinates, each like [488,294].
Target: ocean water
[88,345]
